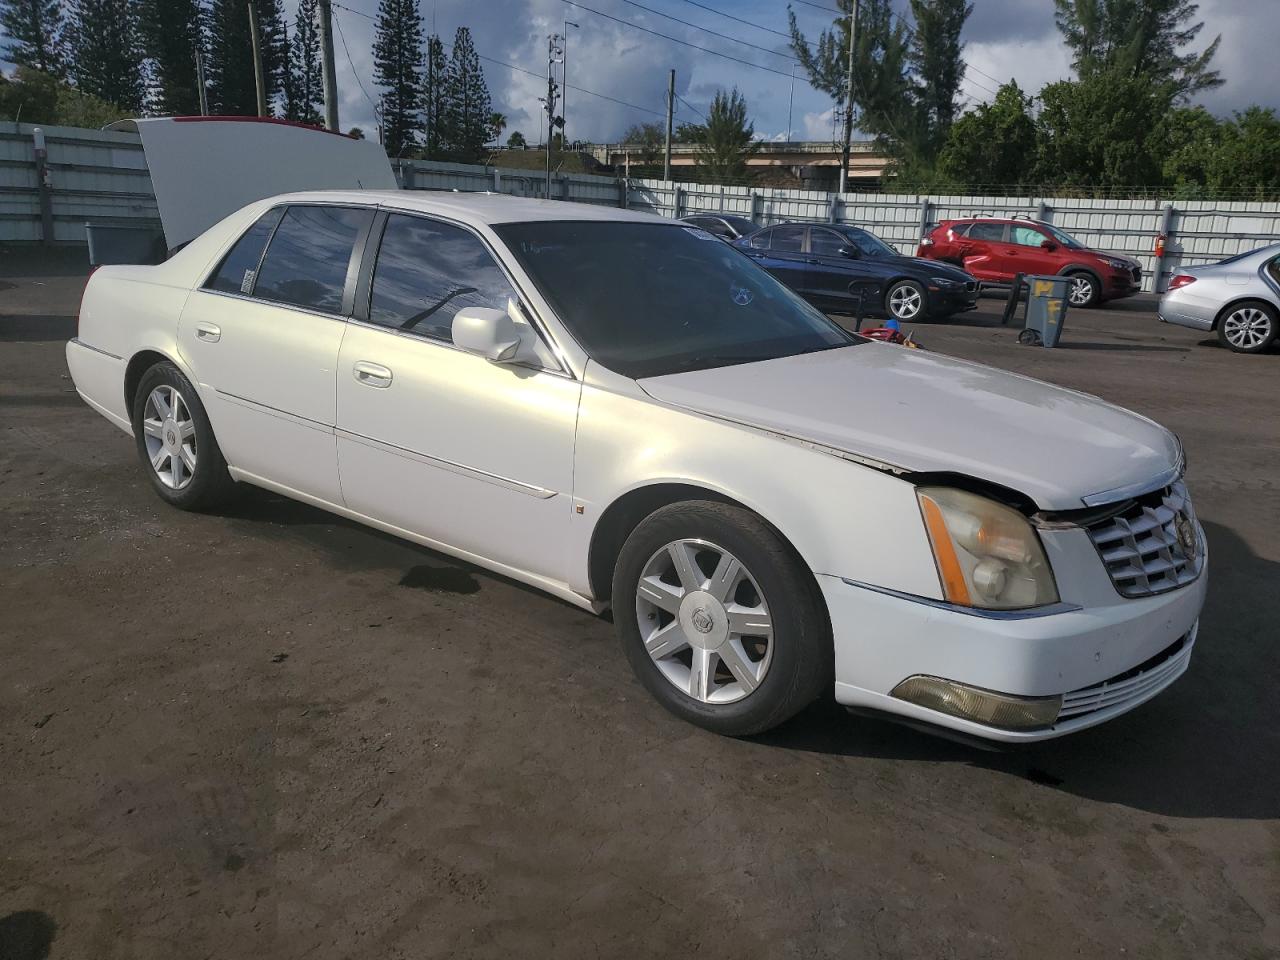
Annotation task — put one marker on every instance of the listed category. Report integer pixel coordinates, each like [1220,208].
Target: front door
[442,443]
[1024,253]
[262,339]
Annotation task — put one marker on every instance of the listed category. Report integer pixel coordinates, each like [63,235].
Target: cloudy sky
[1004,38]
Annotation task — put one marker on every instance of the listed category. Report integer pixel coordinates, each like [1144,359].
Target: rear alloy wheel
[905,300]
[1248,327]
[721,621]
[1082,290]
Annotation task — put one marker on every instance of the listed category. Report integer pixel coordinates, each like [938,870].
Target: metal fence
[101,176]
[96,175]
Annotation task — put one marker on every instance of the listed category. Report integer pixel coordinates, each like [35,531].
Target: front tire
[720,620]
[1083,290]
[1248,327]
[905,300]
[175,442]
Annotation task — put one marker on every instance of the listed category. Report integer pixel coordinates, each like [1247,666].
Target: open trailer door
[204,168]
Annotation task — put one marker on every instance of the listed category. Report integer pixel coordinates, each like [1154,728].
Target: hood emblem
[1186,531]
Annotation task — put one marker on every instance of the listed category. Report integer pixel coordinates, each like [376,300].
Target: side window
[761,240]
[992,232]
[1026,236]
[960,229]
[427,271]
[826,243]
[306,262]
[787,239]
[1273,268]
[236,274]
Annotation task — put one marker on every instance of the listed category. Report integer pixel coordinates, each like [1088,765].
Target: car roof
[480,209]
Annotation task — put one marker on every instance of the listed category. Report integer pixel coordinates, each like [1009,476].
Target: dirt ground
[272,733]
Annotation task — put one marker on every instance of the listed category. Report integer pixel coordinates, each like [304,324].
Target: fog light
[978,705]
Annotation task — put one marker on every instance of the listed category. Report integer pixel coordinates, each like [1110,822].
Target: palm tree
[497,123]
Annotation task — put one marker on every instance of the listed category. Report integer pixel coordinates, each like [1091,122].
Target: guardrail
[101,176]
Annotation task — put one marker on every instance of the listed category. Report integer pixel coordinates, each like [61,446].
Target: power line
[377,111]
[684,43]
[729,16]
[691,106]
[722,36]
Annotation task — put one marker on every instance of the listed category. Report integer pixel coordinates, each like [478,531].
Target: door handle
[371,374]
[208,332]
[813,261]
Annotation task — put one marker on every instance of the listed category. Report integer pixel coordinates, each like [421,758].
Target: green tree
[993,144]
[468,108]
[437,136]
[275,48]
[34,35]
[650,138]
[233,89]
[727,140]
[1139,38]
[1094,131]
[36,97]
[935,57]
[1247,162]
[397,68]
[106,51]
[170,31]
[355,133]
[516,141]
[688,133]
[304,92]
[497,123]
[1185,143]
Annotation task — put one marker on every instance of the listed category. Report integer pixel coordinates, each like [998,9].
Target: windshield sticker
[700,233]
[742,296]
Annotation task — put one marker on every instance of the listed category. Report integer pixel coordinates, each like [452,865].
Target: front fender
[843,518]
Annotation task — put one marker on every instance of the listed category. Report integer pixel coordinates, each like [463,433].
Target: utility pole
[258,79]
[201,89]
[326,62]
[564,82]
[848,101]
[555,54]
[671,109]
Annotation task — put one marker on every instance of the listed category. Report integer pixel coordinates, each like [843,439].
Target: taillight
[1181,280]
[927,242]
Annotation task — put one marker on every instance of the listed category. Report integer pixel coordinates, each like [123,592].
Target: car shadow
[32,328]
[1206,747]
[1068,344]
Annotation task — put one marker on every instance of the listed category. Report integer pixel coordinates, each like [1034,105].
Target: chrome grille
[1137,274]
[1136,684]
[1143,547]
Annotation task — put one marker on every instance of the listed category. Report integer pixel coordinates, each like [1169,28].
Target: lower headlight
[981,706]
[987,554]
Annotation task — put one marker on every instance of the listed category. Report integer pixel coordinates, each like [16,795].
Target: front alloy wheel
[704,621]
[1248,328]
[1083,290]
[905,300]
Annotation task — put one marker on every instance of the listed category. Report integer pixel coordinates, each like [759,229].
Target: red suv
[993,250]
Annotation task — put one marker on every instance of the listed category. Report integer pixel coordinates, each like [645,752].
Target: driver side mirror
[493,334]
[849,252]
[1048,245]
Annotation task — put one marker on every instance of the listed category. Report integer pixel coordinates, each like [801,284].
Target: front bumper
[946,302]
[1103,660]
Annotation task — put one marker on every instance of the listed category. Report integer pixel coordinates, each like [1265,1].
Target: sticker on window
[700,233]
[246,285]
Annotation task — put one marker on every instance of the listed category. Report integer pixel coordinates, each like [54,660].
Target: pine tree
[170,31]
[34,35]
[468,109]
[304,92]
[397,68]
[726,141]
[233,90]
[106,51]
[275,48]
[435,120]
[935,59]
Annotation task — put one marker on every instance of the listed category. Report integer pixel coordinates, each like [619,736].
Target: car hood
[923,269]
[926,413]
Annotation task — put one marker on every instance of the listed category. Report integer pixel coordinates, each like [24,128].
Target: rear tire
[1248,327]
[1083,290]
[734,637]
[175,442]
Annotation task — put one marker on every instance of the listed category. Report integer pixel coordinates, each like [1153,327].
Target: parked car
[724,225]
[1239,297]
[994,250]
[842,269]
[616,410]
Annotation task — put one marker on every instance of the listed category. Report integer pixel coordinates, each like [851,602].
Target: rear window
[240,266]
[307,260]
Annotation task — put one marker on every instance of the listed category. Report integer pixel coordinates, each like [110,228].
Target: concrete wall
[101,176]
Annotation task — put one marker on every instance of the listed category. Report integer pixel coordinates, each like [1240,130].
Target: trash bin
[1046,310]
[117,243]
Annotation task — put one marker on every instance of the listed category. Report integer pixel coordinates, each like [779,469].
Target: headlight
[987,554]
[1120,264]
[946,282]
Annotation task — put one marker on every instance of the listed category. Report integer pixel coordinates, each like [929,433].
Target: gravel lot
[272,733]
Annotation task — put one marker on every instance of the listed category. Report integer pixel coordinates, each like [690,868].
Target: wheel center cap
[704,620]
[172,437]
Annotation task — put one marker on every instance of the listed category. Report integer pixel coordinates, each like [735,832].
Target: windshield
[1063,238]
[869,245]
[648,299]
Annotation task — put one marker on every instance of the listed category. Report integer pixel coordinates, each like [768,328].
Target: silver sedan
[1239,297]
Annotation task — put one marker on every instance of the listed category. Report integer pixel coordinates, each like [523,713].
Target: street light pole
[564,76]
[555,54]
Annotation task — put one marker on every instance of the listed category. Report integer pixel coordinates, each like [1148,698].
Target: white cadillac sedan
[624,411]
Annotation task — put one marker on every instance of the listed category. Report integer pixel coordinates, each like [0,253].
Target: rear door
[982,251]
[262,337]
[780,250]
